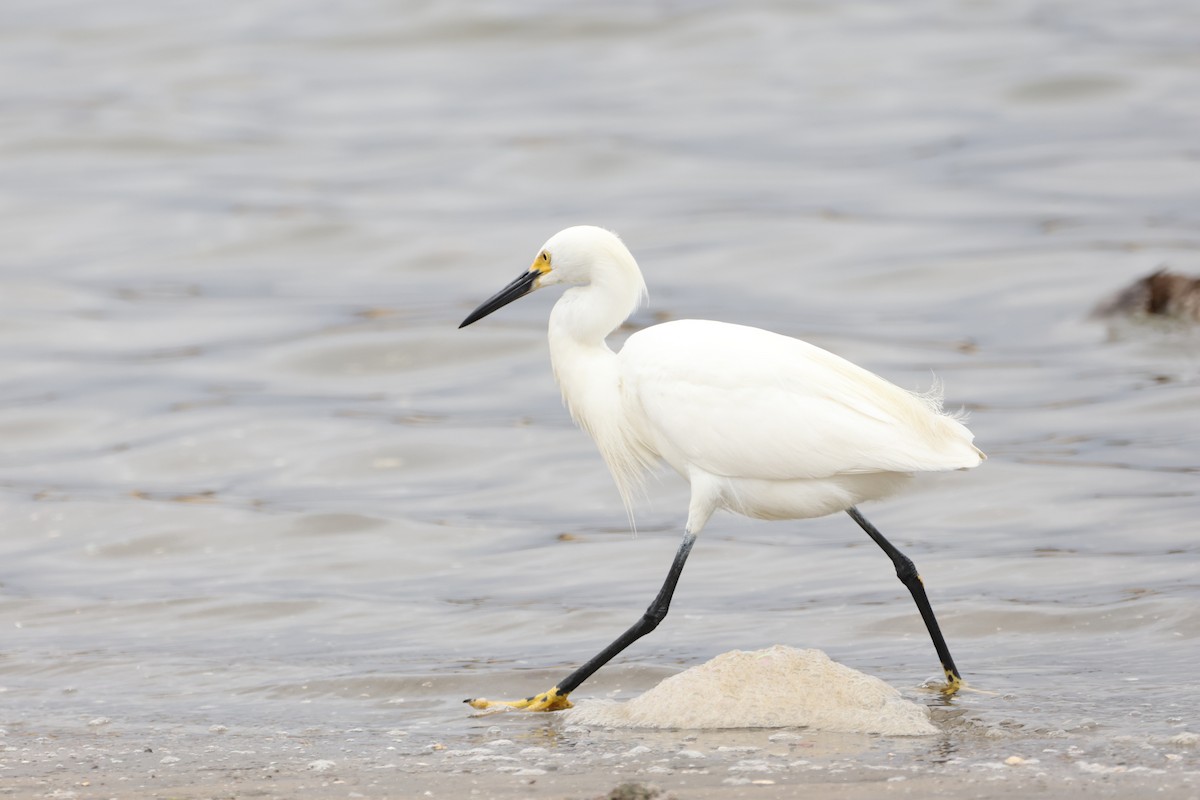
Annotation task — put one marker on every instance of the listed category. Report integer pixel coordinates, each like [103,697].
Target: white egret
[758,423]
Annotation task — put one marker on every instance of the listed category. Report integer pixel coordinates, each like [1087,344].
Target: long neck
[588,374]
[584,366]
[579,322]
[589,313]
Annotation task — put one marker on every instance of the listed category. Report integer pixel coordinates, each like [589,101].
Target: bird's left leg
[906,571]
[555,699]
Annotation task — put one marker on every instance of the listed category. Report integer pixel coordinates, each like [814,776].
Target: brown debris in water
[636,791]
[1161,294]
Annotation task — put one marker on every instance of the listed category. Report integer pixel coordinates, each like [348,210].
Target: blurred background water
[251,474]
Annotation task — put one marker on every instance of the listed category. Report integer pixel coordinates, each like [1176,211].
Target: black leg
[906,571]
[655,614]
[556,698]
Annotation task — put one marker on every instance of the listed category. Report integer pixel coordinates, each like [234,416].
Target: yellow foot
[553,700]
[953,685]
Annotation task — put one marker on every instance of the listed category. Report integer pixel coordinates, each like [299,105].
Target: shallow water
[253,477]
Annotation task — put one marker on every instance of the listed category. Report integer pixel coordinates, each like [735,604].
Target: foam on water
[779,687]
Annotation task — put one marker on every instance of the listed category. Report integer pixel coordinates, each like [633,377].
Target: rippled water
[253,476]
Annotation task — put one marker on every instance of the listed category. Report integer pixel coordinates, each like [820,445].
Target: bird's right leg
[906,571]
[555,699]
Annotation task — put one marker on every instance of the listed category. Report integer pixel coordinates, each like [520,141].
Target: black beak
[514,291]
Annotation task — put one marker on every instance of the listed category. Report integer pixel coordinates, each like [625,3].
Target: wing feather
[744,402]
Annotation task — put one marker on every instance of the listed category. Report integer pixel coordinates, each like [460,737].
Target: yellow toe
[552,700]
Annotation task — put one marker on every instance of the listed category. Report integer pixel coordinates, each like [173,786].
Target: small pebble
[1014,761]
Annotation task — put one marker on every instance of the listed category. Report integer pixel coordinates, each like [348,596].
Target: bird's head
[575,256]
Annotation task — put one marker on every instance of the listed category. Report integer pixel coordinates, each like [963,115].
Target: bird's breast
[592,391]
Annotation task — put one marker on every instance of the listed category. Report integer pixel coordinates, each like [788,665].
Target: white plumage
[760,424]
[785,429]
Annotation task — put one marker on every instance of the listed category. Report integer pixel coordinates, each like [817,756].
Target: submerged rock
[1161,294]
[635,791]
[780,687]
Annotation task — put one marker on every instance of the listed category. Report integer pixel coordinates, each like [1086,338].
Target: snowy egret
[758,423]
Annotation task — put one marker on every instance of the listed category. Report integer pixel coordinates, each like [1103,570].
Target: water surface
[253,477]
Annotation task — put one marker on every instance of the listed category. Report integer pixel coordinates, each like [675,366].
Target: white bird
[758,423]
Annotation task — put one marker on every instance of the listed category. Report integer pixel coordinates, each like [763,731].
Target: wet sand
[546,760]
[227,770]
[599,786]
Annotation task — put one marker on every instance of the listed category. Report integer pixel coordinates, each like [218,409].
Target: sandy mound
[780,687]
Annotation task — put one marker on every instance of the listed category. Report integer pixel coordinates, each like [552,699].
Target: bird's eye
[545,257]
